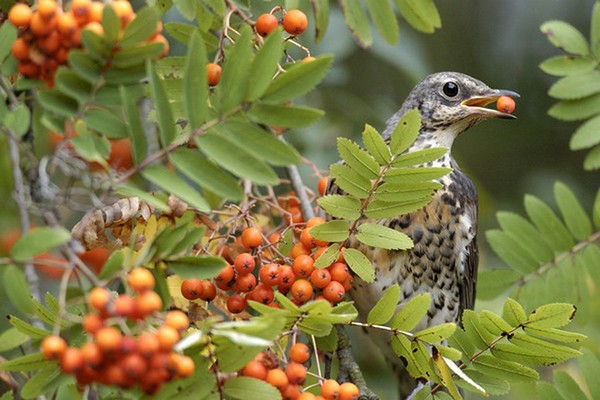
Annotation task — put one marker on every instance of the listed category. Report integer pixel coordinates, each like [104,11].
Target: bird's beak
[477,104]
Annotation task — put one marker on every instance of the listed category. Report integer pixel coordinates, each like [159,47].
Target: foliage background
[497,42]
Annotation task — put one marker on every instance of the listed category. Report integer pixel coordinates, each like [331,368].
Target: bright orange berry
[53,347]
[295,22]
[213,73]
[20,15]
[265,24]
[505,104]
[299,352]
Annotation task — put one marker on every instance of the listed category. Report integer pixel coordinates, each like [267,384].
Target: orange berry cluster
[291,376]
[300,279]
[47,33]
[112,358]
[294,22]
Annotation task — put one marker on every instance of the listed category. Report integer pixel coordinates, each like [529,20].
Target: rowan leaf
[340,206]
[246,388]
[491,283]
[383,237]
[586,135]
[436,333]
[264,65]
[554,334]
[494,323]
[37,241]
[574,110]
[553,315]
[411,313]
[350,181]
[331,231]
[567,65]
[574,215]
[357,159]
[375,145]
[164,113]
[200,267]
[566,37]
[576,86]
[195,85]
[385,307]
[509,370]
[384,19]
[511,251]
[405,132]
[358,263]
[548,224]
[235,78]
[567,386]
[283,115]
[29,362]
[328,257]
[357,22]
[174,184]
[17,289]
[513,312]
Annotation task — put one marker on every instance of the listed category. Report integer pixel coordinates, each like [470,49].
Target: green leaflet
[282,115]
[200,267]
[551,228]
[509,370]
[174,184]
[321,13]
[264,65]
[491,283]
[384,19]
[573,213]
[567,386]
[436,333]
[195,85]
[586,135]
[11,338]
[166,121]
[350,181]
[359,264]
[411,313]
[494,323]
[553,315]
[29,362]
[245,388]
[526,234]
[340,206]
[405,132]
[135,130]
[513,312]
[384,309]
[419,157]
[567,65]
[332,231]
[17,289]
[511,251]
[565,37]
[328,257]
[557,335]
[576,86]
[574,110]
[357,159]
[590,366]
[382,236]
[28,329]
[38,240]
[475,331]
[357,22]
[375,145]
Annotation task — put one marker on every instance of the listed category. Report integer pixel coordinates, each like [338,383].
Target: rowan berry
[99,298]
[53,347]
[191,289]
[334,291]
[20,49]
[314,221]
[47,8]
[71,360]
[225,277]
[41,27]
[108,339]
[269,274]
[322,183]
[147,344]
[167,337]
[140,280]
[209,292]
[299,352]
[339,272]
[251,238]
[213,73]
[505,104]
[134,365]
[286,279]
[320,278]
[20,15]
[303,266]
[291,392]
[244,263]
[123,10]
[307,396]
[92,354]
[296,373]
[295,215]
[255,369]
[349,391]
[95,11]
[148,303]
[177,319]
[295,22]
[92,323]
[236,303]
[277,378]
[299,249]
[330,389]
[184,365]
[128,345]
[125,306]
[263,293]
[49,44]
[265,24]
[309,241]
[302,290]
[245,283]
[98,29]
[67,24]
[348,283]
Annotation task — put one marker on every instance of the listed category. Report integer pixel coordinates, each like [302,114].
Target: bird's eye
[450,89]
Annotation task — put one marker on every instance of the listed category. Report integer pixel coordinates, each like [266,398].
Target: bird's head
[450,103]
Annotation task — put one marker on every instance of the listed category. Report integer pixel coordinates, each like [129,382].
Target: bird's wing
[469,278]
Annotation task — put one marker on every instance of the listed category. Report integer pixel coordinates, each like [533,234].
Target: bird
[444,259]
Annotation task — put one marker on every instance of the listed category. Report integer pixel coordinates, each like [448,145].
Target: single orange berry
[134,365]
[245,282]
[148,302]
[314,221]
[265,24]
[71,361]
[191,289]
[125,306]
[285,279]
[255,369]
[123,10]
[334,291]
[92,354]
[263,293]
[269,274]
[320,278]
[291,392]
[177,319]
[307,396]
[299,249]
[99,298]
[322,184]
[236,303]
[67,24]
[95,11]
[47,8]
[141,280]
[184,365]
[251,238]
[310,241]
[299,352]
[20,15]
[209,292]
[330,389]
[53,347]
[213,73]
[20,49]
[92,323]
[41,27]
[296,373]
[302,290]
[295,22]
[95,27]
[339,271]
[505,104]
[277,378]
[244,263]
[147,344]
[109,339]
[167,337]
[349,391]
[303,266]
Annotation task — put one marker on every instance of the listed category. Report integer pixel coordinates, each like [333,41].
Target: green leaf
[384,19]
[411,313]
[592,160]
[475,331]
[590,366]
[164,113]
[574,110]
[284,116]
[140,28]
[567,65]
[245,388]
[566,37]
[188,8]
[595,31]
[459,340]
[106,123]
[436,333]
[446,374]
[419,157]
[596,212]
[509,370]
[57,103]
[567,386]
[134,126]
[11,338]
[382,209]
[494,323]
[321,13]
[420,14]
[552,229]
[527,235]
[553,315]
[412,175]
[262,144]
[29,362]
[113,265]
[111,24]
[556,335]
[513,312]
[233,157]
[385,307]
[18,120]
[394,192]
[546,391]
[340,206]
[530,350]
[381,236]
[38,240]
[200,267]
[573,213]
[405,132]
[43,313]
[328,257]
[586,135]
[357,159]
[357,22]
[236,73]
[195,85]
[491,283]
[172,183]
[206,173]
[576,86]
[35,386]
[375,145]
[264,66]
[331,231]
[350,181]
[511,251]
[358,263]
[8,34]
[298,80]
[28,329]
[17,289]
[133,56]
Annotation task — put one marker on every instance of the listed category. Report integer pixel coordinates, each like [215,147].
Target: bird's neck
[429,138]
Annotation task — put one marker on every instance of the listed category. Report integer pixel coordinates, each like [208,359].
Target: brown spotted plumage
[444,259]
